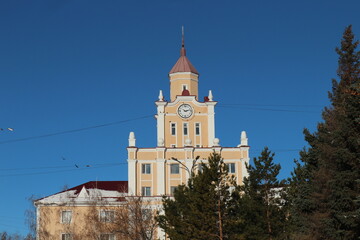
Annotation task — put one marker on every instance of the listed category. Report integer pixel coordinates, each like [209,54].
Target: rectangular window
[173,129]
[173,145]
[174,168]
[231,167]
[107,216]
[66,236]
[146,168]
[66,216]
[197,129]
[184,87]
[185,129]
[107,236]
[146,191]
[172,190]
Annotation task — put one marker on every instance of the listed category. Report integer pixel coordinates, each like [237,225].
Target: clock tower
[185,131]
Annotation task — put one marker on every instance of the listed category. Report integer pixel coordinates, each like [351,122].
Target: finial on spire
[182,37]
[182,51]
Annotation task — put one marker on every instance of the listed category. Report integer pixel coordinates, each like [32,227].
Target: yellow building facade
[185,131]
[185,134]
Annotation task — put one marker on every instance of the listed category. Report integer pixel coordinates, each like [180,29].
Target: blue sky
[69,65]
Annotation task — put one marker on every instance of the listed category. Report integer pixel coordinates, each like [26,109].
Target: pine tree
[328,182]
[262,201]
[203,209]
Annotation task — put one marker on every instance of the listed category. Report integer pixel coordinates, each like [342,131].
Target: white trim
[182,79]
[132,176]
[180,73]
[147,149]
[146,161]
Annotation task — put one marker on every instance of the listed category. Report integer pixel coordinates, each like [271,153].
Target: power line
[266,109]
[74,130]
[271,105]
[60,171]
[56,167]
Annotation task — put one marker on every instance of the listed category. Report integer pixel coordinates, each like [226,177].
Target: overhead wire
[73,130]
[61,171]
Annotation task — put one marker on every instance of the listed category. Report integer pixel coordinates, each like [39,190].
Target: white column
[160,121]
[211,124]
[132,176]
[160,163]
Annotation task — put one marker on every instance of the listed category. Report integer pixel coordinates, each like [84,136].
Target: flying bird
[76,166]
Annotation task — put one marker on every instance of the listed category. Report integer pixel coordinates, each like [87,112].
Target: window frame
[107,216]
[146,191]
[107,236]
[173,128]
[231,167]
[186,129]
[197,129]
[66,219]
[144,169]
[66,236]
[172,190]
[174,168]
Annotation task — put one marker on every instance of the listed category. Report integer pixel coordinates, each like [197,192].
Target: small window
[146,191]
[173,145]
[66,216]
[231,167]
[184,87]
[146,168]
[173,129]
[174,168]
[172,190]
[197,129]
[198,145]
[66,236]
[107,236]
[107,216]
[185,129]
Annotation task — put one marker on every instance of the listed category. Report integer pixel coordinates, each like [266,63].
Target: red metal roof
[183,64]
[120,186]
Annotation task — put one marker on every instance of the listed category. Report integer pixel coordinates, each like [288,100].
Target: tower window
[185,129]
[231,167]
[184,87]
[173,129]
[197,129]
[174,168]
[146,168]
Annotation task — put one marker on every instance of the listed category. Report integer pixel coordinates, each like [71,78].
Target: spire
[183,50]
[183,41]
[183,64]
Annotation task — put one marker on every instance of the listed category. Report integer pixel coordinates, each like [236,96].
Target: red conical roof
[183,64]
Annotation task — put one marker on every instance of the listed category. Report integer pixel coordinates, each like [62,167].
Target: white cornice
[180,73]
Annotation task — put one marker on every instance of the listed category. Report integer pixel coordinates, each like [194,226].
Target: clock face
[185,111]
